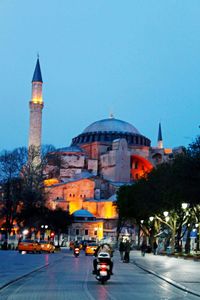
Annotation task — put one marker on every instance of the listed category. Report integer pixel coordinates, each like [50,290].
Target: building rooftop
[37,76]
[111,125]
[83,213]
[70,149]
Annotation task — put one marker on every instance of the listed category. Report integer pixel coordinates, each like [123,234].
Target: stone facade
[96,165]
[85,176]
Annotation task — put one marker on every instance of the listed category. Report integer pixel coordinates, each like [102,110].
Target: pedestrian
[155,246]
[127,249]
[121,249]
[143,248]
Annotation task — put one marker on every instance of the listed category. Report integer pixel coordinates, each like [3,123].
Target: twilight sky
[138,59]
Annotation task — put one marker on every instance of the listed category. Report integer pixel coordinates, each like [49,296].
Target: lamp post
[186,217]
[166,215]
[170,223]
[198,238]
[184,205]
[25,232]
[151,231]
[43,229]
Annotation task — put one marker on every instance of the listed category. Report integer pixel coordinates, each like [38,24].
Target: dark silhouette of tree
[11,163]
[58,220]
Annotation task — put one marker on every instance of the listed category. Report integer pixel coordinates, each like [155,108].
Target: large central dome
[107,130]
[111,125]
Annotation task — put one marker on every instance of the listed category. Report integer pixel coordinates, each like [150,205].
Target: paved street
[62,276]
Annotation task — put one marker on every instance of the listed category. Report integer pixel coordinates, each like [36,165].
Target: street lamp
[151,230]
[43,228]
[167,218]
[184,205]
[25,232]
[165,213]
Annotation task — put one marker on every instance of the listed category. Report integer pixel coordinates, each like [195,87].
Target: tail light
[103,267]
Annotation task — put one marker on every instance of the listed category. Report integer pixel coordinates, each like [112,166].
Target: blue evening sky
[139,59]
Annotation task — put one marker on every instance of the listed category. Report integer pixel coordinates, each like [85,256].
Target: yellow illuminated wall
[106,210]
[74,193]
[50,182]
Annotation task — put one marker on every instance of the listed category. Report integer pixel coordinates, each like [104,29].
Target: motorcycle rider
[103,248]
[76,246]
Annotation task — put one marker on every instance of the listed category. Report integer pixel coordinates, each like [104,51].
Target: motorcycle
[103,267]
[76,252]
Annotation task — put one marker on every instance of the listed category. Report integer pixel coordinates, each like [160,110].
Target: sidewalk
[182,273]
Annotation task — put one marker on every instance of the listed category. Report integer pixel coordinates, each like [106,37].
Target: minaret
[160,140]
[36,106]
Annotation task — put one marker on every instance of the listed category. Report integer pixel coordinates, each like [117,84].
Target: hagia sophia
[107,154]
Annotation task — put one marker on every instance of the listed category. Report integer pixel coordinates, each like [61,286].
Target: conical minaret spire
[160,140]
[37,76]
[36,106]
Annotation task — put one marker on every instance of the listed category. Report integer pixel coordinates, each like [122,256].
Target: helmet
[103,255]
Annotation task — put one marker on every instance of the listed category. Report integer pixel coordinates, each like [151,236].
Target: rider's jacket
[103,248]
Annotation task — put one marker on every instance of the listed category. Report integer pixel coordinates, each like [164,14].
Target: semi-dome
[111,125]
[83,215]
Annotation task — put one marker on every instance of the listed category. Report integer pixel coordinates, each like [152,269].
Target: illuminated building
[106,155]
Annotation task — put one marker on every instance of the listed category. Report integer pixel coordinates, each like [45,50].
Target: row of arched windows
[73,195]
[109,137]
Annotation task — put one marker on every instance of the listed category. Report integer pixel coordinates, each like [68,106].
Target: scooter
[103,267]
[76,252]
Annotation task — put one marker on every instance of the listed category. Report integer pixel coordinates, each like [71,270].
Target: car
[47,246]
[29,246]
[84,243]
[90,248]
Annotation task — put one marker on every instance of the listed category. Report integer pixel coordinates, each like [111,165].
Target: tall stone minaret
[160,140]
[36,106]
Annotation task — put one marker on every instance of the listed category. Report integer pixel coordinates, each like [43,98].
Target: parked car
[47,246]
[29,246]
[90,248]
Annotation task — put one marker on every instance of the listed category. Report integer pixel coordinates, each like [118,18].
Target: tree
[165,189]
[58,220]
[11,163]
[33,197]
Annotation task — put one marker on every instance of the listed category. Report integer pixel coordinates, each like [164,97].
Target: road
[62,276]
